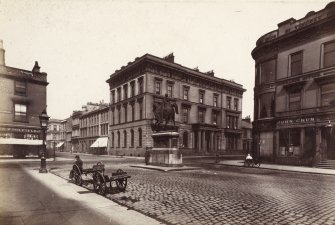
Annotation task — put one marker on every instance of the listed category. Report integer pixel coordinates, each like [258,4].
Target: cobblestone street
[247,196]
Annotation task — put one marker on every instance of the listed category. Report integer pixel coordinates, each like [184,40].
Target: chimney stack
[169,58]
[2,54]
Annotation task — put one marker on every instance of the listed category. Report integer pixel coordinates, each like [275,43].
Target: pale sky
[80,43]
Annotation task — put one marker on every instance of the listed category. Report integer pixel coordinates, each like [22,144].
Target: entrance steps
[327,164]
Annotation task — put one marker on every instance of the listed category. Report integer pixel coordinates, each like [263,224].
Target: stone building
[246,135]
[22,100]
[209,107]
[75,128]
[295,89]
[94,129]
[53,133]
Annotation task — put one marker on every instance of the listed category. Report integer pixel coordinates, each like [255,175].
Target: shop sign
[19,130]
[298,120]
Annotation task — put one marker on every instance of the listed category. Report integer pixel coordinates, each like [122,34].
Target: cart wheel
[99,184]
[77,176]
[121,184]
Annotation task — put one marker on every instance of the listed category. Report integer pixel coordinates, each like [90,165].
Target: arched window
[118,139]
[132,138]
[185,139]
[124,138]
[139,137]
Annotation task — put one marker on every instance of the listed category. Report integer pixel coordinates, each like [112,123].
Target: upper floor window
[125,113]
[113,97]
[266,105]
[329,54]
[132,89]
[132,105]
[185,93]
[20,112]
[236,104]
[215,118]
[20,87]
[140,105]
[296,63]
[201,97]
[327,94]
[139,137]
[119,94]
[294,100]
[228,102]
[170,89]
[215,100]
[268,71]
[201,115]
[185,114]
[140,85]
[125,91]
[158,87]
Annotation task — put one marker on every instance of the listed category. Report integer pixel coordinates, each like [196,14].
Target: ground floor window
[289,142]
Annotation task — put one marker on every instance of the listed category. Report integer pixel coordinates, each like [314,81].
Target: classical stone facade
[94,130]
[295,89]
[209,115]
[22,100]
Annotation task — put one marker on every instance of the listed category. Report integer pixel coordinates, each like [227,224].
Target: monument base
[165,151]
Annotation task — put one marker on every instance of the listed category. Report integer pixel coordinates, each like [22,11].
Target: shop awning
[16,141]
[60,144]
[100,142]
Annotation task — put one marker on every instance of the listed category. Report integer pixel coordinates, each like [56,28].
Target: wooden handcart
[96,176]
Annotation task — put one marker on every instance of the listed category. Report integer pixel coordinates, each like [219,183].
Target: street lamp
[44,118]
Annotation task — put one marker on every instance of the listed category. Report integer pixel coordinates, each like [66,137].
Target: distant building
[209,107]
[22,100]
[53,133]
[295,89]
[68,135]
[94,129]
[247,135]
[62,136]
[75,118]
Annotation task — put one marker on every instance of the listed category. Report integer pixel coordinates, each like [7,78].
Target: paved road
[228,196]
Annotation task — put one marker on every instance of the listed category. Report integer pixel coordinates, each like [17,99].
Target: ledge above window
[295,86]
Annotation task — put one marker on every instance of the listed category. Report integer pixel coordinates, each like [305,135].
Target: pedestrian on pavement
[248,159]
[79,162]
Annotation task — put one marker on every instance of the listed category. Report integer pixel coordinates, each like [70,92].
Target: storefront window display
[289,142]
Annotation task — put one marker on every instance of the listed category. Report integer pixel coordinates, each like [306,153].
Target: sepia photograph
[167,112]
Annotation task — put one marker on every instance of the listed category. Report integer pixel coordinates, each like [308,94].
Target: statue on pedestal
[164,112]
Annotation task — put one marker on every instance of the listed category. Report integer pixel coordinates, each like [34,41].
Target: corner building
[209,115]
[294,92]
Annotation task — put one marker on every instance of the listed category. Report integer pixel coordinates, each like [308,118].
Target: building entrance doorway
[331,148]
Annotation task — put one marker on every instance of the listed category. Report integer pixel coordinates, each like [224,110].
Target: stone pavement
[28,197]
[301,169]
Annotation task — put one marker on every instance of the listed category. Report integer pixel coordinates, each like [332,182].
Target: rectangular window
[329,54]
[119,94]
[185,114]
[294,101]
[140,104]
[236,104]
[140,85]
[20,87]
[215,118]
[185,93]
[132,89]
[132,112]
[170,90]
[268,71]
[201,97]
[119,111]
[125,91]
[266,104]
[125,113]
[113,97]
[296,64]
[327,94]
[228,102]
[20,112]
[157,87]
[201,116]
[215,100]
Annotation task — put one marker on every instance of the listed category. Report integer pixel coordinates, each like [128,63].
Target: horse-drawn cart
[96,176]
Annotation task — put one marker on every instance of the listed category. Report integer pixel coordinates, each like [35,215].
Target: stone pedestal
[165,151]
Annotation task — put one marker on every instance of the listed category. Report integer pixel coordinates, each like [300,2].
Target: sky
[79,44]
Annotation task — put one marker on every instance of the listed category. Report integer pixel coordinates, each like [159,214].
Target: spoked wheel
[77,176]
[99,184]
[121,184]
